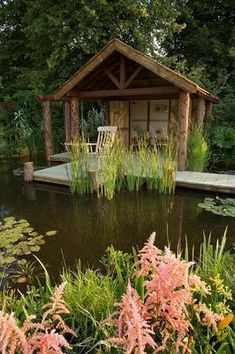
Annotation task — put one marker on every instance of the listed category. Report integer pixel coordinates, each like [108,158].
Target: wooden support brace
[184,103]
[133,75]
[112,77]
[48,129]
[122,72]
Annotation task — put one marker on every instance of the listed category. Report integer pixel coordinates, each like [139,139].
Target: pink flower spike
[148,257]
[134,333]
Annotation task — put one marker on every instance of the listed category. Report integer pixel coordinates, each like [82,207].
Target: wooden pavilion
[141,95]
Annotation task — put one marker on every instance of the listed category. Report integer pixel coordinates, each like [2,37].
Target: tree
[49,39]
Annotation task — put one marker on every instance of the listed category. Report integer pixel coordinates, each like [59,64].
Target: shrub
[197,154]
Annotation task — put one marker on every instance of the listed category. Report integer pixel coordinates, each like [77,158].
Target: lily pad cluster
[17,240]
[219,206]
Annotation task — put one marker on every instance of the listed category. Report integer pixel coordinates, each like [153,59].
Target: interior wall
[155,120]
[119,116]
[134,118]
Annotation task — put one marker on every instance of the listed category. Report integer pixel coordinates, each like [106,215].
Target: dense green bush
[197,154]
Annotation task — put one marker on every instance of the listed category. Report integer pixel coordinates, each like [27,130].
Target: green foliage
[119,265]
[17,240]
[95,118]
[207,38]
[112,167]
[197,154]
[91,295]
[79,167]
[222,145]
[219,206]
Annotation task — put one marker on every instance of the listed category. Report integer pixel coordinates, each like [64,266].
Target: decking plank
[223,183]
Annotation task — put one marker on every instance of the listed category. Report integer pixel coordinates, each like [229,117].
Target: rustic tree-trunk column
[208,109]
[200,111]
[67,121]
[48,128]
[74,111]
[184,103]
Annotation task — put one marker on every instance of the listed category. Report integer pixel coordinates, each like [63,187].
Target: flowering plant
[45,337]
[163,320]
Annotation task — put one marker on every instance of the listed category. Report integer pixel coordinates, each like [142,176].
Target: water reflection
[87,225]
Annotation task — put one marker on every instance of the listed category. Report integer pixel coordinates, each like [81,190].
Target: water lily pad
[219,206]
[17,240]
[51,233]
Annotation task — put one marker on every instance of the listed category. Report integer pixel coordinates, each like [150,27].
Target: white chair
[105,140]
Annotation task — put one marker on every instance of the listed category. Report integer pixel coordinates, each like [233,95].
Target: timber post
[200,111]
[48,129]
[67,121]
[74,111]
[184,103]
[28,172]
[208,109]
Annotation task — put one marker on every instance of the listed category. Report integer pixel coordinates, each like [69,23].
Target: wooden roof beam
[164,90]
[112,77]
[133,76]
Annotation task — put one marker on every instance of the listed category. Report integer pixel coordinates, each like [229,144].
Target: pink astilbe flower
[133,330]
[47,343]
[168,294]
[11,336]
[206,316]
[197,284]
[148,257]
[168,307]
[36,337]
[56,308]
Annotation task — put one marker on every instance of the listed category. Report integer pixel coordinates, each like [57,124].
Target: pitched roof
[146,61]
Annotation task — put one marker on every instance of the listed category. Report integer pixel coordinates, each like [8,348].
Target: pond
[87,225]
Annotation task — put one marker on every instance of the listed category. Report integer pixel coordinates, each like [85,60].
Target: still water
[87,225]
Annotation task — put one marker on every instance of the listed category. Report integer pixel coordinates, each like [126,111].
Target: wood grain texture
[48,129]
[184,103]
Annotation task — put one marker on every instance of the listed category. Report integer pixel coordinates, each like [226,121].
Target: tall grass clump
[160,167]
[198,151]
[134,163]
[79,167]
[110,169]
[169,166]
[90,296]
[115,167]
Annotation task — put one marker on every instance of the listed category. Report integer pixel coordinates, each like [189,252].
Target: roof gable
[149,63]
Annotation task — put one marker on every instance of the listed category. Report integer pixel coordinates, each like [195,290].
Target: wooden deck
[223,183]
[62,157]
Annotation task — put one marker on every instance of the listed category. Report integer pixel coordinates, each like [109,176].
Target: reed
[80,165]
[198,151]
[148,165]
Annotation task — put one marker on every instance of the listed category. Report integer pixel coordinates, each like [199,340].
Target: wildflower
[41,337]
[133,330]
[209,318]
[226,321]
[148,257]
[168,294]
[197,284]
[221,288]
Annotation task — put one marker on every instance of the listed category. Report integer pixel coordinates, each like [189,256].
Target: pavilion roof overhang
[175,81]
